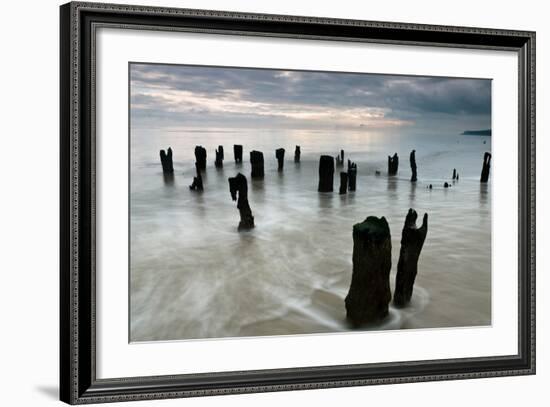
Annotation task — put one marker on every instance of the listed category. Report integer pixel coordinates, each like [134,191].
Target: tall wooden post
[280,155]
[412,240]
[238,153]
[326,173]
[238,187]
[257,162]
[486,167]
[413,165]
[166,161]
[370,294]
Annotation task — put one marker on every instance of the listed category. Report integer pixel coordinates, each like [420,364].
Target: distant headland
[486,132]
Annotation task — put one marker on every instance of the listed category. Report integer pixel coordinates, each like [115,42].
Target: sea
[193,275]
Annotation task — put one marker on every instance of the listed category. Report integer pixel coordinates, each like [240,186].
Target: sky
[181,96]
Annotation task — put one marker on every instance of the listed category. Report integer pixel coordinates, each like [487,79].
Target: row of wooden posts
[239,188]
[326,166]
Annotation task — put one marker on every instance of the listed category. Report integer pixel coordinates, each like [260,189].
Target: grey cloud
[401,97]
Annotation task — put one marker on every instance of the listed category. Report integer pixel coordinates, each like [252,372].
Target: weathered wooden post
[166,161]
[370,293]
[297,154]
[257,162]
[280,155]
[412,240]
[454,174]
[486,167]
[219,157]
[352,175]
[238,187]
[326,173]
[200,157]
[393,164]
[238,153]
[197,181]
[413,165]
[343,182]
[340,159]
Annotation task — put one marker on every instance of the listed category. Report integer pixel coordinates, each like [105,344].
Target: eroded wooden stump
[340,159]
[257,162]
[393,164]
[197,180]
[238,187]
[343,183]
[200,157]
[369,294]
[352,175]
[413,165]
[412,240]
[166,161]
[219,157]
[326,173]
[280,155]
[238,153]
[297,154]
[486,167]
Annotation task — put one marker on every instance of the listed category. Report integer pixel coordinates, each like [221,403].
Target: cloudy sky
[179,96]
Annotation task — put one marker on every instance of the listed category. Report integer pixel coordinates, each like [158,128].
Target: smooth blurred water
[193,275]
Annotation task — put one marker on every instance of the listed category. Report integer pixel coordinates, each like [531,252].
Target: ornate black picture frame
[78,381]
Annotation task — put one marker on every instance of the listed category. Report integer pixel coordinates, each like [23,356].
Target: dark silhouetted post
[219,157]
[352,175]
[340,159]
[486,167]
[200,156]
[413,165]
[393,164]
[238,153]
[343,182]
[280,155]
[412,240]
[454,174]
[370,293]
[326,173]
[297,154]
[257,162]
[197,181]
[238,188]
[166,161]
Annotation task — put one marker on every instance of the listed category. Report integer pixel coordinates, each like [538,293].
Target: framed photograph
[255,203]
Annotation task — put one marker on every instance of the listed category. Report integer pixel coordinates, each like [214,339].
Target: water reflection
[483,193]
[168,179]
[325,199]
[392,189]
[412,194]
[258,190]
[200,204]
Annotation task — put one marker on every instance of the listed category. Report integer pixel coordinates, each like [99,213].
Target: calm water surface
[193,275]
